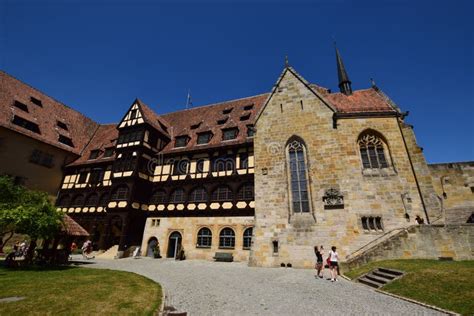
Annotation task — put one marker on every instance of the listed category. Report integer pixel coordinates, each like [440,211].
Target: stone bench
[224,256]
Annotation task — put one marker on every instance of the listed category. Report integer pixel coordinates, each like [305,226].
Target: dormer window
[36,101]
[20,106]
[222,121]
[250,130]
[61,125]
[108,152]
[248,107]
[26,124]
[65,140]
[195,126]
[245,117]
[227,111]
[94,154]
[181,141]
[230,133]
[204,138]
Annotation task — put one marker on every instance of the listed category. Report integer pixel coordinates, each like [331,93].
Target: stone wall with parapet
[334,161]
[454,185]
[422,242]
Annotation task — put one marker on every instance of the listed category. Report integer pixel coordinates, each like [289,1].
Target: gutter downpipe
[414,173]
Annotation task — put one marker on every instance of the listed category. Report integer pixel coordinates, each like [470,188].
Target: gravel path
[219,288]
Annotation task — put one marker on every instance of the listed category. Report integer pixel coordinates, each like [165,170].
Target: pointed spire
[344,82]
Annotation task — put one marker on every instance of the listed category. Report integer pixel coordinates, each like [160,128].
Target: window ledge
[204,247]
[384,172]
[226,247]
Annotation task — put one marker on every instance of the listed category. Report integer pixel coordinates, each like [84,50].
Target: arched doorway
[151,247]
[174,244]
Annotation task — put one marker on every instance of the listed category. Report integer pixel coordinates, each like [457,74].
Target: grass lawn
[70,290]
[446,284]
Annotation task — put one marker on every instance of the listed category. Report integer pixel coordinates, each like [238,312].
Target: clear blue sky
[98,57]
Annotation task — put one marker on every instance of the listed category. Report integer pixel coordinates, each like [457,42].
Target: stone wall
[422,242]
[334,161]
[454,185]
[188,227]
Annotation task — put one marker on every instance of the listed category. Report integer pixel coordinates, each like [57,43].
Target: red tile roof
[71,228]
[360,101]
[80,128]
[207,116]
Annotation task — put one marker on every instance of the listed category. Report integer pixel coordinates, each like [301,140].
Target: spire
[287,64]
[344,82]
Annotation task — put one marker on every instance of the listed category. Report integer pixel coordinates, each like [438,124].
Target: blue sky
[98,56]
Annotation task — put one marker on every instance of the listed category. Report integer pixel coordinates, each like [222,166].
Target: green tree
[27,212]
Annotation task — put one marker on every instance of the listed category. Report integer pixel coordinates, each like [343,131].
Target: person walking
[333,263]
[319,262]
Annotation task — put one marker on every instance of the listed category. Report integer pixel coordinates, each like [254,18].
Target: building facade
[265,177]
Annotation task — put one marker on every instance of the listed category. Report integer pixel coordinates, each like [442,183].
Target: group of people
[20,249]
[332,262]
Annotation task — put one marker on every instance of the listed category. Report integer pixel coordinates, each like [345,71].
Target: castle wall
[333,162]
[454,184]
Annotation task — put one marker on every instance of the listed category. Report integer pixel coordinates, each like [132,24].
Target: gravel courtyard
[215,288]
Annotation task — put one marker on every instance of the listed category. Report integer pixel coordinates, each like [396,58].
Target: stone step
[368,282]
[376,279]
[383,275]
[396,273]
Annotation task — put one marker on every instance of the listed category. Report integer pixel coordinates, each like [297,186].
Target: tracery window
[296,152]
[227,238]
[222,193]
[177,196]
[372,151]
[198,195]
[158,197]
[248,238]
[204,238]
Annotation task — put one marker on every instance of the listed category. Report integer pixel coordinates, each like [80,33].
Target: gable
[293,95]
[134,116]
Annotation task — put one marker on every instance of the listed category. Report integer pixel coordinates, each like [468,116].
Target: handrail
[353,254]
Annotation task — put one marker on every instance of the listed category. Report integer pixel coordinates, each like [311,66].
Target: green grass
[77,291]
[446,284]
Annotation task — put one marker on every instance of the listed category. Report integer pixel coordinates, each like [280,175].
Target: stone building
[264,177]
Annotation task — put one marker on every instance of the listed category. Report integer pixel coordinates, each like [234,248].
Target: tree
[27,212]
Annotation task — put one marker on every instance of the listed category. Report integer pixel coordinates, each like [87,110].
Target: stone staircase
[110,253]
[379,277]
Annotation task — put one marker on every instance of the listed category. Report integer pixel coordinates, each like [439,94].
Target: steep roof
[214,118]
[360,101]
[105,137]
[45,116]
[71,228]
[153,119]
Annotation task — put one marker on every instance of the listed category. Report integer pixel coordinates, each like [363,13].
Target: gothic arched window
[372,151]
[296,154]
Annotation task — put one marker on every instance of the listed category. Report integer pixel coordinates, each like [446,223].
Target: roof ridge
[54,99]
[214,104]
